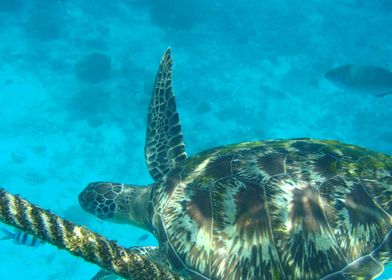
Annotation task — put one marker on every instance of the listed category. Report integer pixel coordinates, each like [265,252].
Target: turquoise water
[76,78]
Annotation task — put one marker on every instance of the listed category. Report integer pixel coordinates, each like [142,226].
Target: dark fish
[21,238]
[143,237]
[368,79]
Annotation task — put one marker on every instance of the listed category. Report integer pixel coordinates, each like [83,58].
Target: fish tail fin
[6,234]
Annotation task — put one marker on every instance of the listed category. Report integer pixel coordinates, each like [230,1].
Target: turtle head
[118,203]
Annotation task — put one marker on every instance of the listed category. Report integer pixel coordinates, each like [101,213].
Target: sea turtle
[280,209]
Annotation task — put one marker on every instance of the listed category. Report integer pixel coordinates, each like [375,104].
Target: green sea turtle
[280,209]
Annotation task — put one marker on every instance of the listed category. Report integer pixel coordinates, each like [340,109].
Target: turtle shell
[283,209]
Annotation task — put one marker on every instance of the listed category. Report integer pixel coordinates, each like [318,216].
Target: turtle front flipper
[164,142]
[118,203]
[152,253]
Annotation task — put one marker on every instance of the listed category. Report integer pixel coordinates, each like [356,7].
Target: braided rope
[78,240]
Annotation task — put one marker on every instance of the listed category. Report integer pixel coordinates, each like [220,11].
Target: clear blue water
[244,70]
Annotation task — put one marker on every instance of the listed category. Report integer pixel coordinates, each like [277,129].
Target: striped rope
[78,240]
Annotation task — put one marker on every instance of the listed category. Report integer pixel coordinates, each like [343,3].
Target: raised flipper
[164,142]
[367,267]
[151,253]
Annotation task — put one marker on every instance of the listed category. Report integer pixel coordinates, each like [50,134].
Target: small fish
[21,238]
[142,238]
[367,79]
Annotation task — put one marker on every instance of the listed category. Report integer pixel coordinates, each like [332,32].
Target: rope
[78,240]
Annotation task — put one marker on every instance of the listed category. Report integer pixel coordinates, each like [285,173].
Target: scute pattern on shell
[282,209]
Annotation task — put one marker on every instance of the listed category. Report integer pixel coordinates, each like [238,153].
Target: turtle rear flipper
[367,267]
[149,252]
